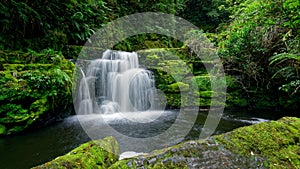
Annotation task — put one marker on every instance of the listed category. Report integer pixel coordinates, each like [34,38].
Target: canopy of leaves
[206,14]
[53,24]
[262,32]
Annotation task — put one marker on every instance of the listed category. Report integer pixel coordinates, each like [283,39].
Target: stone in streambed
[94,154]
[273,144]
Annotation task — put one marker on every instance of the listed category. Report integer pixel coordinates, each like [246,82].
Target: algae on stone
[277,141]
[174,72]
[91,155]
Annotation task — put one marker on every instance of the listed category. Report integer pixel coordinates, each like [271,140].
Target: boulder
[94,154]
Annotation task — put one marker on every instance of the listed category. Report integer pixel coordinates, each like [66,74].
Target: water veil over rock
[115,96]
[115,83]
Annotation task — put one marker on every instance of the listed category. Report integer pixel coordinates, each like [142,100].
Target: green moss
[277,141]
[178,87]
[152,60]
[38,108]
[13,113]
[274,144]
[17,67]
[38,66]
[207,94]
[2,129]
[32,89]
[173,100]
[174,71]
[202,82]
[22,67]
[18,57]
[91,155]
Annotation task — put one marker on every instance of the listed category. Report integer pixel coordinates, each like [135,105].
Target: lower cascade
[115,83]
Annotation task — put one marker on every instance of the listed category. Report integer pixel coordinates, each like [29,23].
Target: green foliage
[288,65]
[71,52]
[49,24]
[54,24]
[121,8]
[292,12]
[32,91]
[261,32]
[147,41]
[206,14]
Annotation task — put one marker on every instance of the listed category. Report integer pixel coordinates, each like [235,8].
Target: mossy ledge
[93,154]
[35,89]
[273,144]
[276,141]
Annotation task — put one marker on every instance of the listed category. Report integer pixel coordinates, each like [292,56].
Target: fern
[289,69]
[280,58]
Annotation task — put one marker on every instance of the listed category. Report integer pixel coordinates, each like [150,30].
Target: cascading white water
[85,97]
[115,83]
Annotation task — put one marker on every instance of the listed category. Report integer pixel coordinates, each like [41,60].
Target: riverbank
[273,144]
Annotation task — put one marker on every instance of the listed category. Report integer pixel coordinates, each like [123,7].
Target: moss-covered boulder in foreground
[90,155]
[276,141]
[191,154]
[273,144]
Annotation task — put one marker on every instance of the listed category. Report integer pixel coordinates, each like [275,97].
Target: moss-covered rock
[273,144]
[276,141]
[179,74]
[91,155]
[191,154]
[34,89]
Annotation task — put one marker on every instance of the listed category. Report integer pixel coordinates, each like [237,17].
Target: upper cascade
[115,83]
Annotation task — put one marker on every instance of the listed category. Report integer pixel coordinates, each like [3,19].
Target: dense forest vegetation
[257,40]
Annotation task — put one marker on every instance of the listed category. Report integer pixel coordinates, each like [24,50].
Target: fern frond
[282,57]
[287,71]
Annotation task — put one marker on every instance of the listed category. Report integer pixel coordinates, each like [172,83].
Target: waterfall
[85,104]
[115,83]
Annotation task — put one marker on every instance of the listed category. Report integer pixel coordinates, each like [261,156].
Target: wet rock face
[194,155]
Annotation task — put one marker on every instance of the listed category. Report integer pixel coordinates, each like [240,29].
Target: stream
[33,148]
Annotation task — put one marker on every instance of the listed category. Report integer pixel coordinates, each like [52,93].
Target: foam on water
[123,117]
